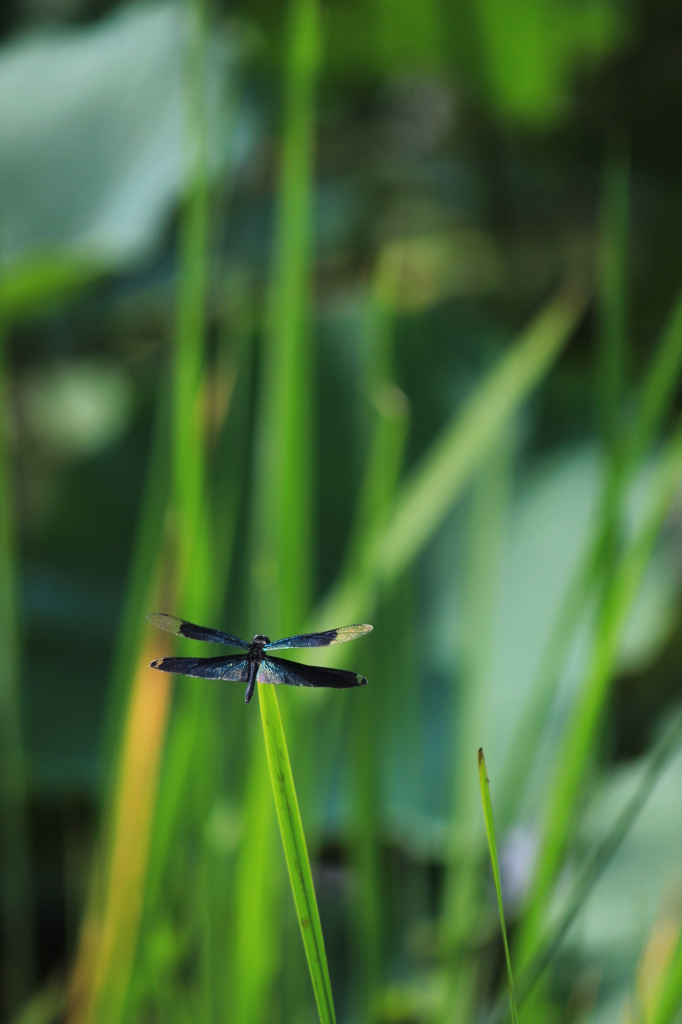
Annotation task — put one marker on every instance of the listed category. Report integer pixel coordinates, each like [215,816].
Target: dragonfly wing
[326,639]
[234,667]
[192,632]
[291,673]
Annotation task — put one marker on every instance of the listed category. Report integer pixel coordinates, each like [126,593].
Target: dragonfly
[258,665]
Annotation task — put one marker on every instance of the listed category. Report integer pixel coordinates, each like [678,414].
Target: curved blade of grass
[492,846]
[444,472]
[296,852]
[656,395]
[580,734]
[431,491]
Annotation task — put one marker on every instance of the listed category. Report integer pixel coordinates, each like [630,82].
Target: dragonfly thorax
[261,640]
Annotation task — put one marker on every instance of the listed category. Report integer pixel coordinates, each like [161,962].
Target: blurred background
[314,313]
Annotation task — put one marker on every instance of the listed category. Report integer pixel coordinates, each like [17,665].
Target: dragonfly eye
[261,639]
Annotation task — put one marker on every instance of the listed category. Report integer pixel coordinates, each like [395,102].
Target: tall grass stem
[296,852]
[492,846]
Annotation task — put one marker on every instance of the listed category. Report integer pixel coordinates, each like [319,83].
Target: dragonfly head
[261,640]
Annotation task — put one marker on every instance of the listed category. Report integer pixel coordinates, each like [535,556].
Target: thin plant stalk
[434,486]
[485,536]
[492,846]
[281,561]
[142,587]
[131,852]
[376,498]
[188,426]
[103,969]
[191,572]
[18,959]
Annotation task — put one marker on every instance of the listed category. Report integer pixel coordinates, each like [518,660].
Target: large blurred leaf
[91,161]
[550,527]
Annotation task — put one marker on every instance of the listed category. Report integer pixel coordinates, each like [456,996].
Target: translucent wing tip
[167,622]
[351,632]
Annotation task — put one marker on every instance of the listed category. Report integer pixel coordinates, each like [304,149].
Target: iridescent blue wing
[291,673]
[233,667]
[327,639]
[192,632]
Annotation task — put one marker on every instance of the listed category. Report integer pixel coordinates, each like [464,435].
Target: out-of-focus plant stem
[134,846]
[283,502]
[574,754]
[18,960]
[489,505]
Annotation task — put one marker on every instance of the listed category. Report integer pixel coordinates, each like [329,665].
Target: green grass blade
[281,564]
[192,585]
[15,895]
[656,395]
[492,846]
[283,502]
[574,755]
[296,852]
[487,515]
[670,997]
[438,481]
[142,586]
[230,458]
[658,390]
[143,574]
[380,479]
[377,494]
[188,449]
[143,821]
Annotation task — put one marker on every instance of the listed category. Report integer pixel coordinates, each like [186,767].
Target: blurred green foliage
[310,315]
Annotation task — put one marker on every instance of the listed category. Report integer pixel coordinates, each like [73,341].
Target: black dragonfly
[257,665]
